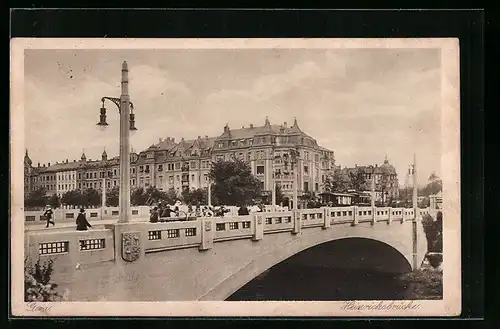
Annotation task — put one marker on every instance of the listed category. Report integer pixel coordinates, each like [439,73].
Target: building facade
[385,179]
[186,164]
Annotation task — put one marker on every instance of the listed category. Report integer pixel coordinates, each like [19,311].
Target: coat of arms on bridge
[131,247]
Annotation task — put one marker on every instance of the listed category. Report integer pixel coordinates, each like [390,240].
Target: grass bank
[424,284]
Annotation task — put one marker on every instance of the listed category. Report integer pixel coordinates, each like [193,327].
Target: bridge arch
[307,240]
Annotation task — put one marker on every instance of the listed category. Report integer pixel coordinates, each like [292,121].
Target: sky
[363,104]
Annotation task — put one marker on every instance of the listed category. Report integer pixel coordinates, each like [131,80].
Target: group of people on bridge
[164,212]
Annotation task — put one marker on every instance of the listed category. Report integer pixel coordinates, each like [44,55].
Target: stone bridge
[209,258]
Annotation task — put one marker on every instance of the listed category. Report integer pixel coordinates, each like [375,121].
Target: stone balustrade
[98,245]
[71,247]
[69,215]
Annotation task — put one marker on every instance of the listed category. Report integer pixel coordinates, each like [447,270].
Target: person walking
[49,213]
[153,218]
[81,221]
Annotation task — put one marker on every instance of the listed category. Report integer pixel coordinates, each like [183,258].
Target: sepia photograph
[235,177]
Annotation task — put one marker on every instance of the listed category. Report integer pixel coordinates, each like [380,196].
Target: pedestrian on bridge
[48,215]
[81,221]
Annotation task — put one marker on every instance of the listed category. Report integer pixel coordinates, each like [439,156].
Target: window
[269,220]
[147,168]
[70,215]
[245,225]
[172,233]
[288,219]
[193,165]
[53,248]
[250,141]
[220,145]
[191,231]
[95,174]
[171,179]
[92,244]
[141,169]
[80,185]
[154,235]
[133,170]
[192,178]
[233,225]
[220,227]
[178,178]
[260,170]
[306,186]
[114,183]
[177,165]
[306,170]
[79,176]
[160,167]
[316,186]
[278,220]
[93,214]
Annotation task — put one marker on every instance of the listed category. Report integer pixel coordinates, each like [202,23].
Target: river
[302,283]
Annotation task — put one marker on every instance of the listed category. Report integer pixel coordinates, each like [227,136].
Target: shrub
[37,285]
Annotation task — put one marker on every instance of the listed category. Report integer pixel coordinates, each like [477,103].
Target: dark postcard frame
[467,25]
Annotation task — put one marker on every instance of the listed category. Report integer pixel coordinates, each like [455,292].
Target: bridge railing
[279,221]
[312,217]
[339,215]
[71,247]
[69,215]
[230,228]
[173,235]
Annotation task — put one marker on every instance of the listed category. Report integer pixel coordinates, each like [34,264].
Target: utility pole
[273,176]
[415,197]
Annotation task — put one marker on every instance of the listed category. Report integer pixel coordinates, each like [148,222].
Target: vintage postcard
[235,177]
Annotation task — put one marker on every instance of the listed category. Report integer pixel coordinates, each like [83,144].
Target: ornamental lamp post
[127,124]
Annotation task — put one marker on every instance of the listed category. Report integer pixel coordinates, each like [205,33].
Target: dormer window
[250,141]
[233,143]
[150,155]
[220,145]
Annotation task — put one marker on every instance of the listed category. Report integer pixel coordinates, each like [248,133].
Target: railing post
[389,219]
[297,221]
[207,233]
[355,219]
[403,212]
[326,218]
[374,215]
[258,224]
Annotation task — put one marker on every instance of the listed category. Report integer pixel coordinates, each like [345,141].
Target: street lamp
[127,124]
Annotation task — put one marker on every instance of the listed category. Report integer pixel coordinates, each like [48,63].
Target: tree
[357,180]
[72,198]
[54,201]
[113,197]
[335,182]
[37,282]
[152,194]
[137,197]
[384,185]
[90,197]
[36,198]
[171,196]
[279,194]
[434,185]
[197,196]
[234,184]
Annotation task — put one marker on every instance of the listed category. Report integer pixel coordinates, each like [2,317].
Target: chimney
[226,128]
[44,165]
[199,137]
[284,125]
[182,139]
[242,127]
[48,164]
[74,160]
[66,160]
[38,164]
[251,126]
